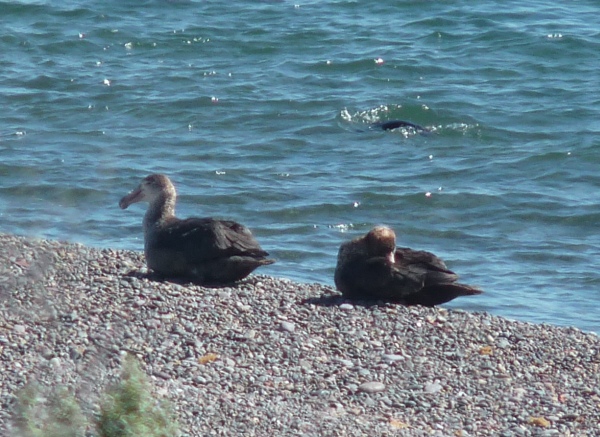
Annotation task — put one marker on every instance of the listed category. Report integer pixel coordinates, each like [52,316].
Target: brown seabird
[371,267]
[202,250]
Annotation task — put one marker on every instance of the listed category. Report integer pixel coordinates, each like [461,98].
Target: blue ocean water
[260,111]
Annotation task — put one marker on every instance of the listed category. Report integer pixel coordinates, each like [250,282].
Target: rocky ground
[272,357]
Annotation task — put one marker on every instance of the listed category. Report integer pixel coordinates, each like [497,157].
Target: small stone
[392,357]
[243,307]
[47,353]
[161,374]
[75,354]
[432,387]
[503,343]
[371,387]
[346,307]
[364,372]
[387,401]
[152,323]
[287,326]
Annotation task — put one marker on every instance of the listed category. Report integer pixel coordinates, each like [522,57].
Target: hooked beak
[135,196]
[392,258]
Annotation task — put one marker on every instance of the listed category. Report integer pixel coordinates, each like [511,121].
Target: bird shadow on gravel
[155,277]
[337,300]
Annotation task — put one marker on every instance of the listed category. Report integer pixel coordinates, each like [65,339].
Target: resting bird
[203,250]
[371,267]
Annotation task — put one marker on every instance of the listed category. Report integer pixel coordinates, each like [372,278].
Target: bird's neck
[159,212]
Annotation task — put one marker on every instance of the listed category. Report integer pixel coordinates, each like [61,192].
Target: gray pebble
[392,357]
[287,326]
[371,387]
[432,387]
[503,343]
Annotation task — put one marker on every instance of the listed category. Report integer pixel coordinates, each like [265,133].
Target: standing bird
[203,250]
[371,267]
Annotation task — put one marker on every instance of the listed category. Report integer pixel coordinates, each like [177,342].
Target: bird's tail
[458,289]
[441,293]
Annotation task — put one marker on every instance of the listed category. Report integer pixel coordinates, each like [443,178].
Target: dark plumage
[203,250]
[372,268]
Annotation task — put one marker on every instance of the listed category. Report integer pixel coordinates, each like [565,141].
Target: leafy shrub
[56,415]
[128,409]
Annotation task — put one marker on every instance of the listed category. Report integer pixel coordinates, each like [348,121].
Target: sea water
[262,112]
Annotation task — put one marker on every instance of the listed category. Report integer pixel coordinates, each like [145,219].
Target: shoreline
[288,362]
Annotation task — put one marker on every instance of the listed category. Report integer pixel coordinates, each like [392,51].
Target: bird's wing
[376,277]
[207,238]
[433,269]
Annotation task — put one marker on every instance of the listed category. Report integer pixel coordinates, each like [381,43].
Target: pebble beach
[269,356]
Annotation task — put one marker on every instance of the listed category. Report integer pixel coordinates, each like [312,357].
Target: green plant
[129,409]
[54,415]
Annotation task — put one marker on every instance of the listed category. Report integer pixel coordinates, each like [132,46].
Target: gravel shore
[270,357]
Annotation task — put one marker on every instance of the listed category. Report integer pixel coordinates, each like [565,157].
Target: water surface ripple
[260,112]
